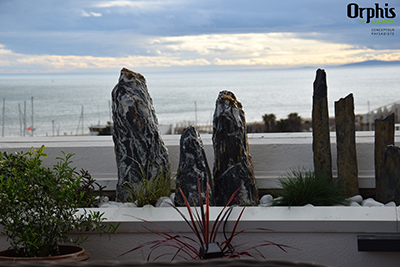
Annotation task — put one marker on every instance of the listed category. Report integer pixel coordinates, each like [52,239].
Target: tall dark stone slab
[384,136]
[320,125]
[390,176]
[232,161]
[193,165]
[346,145]
[137,139]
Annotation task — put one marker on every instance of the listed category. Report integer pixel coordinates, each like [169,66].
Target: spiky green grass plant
[302,187]
[149,189]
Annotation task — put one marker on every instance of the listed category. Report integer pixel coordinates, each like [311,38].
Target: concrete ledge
[324,235]
[279,219]
[273,154]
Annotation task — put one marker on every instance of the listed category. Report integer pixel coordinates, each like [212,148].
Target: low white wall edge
[273,154]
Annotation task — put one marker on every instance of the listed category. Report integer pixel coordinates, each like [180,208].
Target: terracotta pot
[67,253]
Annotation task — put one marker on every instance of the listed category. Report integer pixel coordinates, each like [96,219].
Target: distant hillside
[372,63]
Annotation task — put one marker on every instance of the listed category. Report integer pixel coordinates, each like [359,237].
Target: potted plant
[38,207]
[205,244]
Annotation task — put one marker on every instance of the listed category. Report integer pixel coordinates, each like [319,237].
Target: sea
[68,104]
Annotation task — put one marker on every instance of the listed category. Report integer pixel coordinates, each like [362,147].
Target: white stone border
[279,219]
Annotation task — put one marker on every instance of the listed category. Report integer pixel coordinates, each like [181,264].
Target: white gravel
[265,201]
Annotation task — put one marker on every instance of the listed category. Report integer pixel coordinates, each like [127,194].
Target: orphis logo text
[375,14]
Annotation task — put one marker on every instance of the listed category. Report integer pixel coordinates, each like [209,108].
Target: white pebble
[266,200]
[358,199]
[355,204]
[102,199]
[164,202]
[115,203]
[104,205]
[129,205]
[390,204]
[308,206]
[370,202]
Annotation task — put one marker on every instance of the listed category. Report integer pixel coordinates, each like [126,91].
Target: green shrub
[89,191]
[38,205]
[302,187]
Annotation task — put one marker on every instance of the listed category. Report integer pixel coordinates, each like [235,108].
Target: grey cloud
[75,27]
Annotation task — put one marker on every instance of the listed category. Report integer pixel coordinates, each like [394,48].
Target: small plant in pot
[204,245]
[38,205]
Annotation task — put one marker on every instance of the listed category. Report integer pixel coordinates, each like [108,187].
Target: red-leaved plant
[199,222]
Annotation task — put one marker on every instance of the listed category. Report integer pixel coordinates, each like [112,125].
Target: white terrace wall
[325,235]
[273,154]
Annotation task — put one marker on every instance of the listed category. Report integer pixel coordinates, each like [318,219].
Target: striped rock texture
[232,161]
[137,139]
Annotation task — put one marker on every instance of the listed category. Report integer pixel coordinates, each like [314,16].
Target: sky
[96,36]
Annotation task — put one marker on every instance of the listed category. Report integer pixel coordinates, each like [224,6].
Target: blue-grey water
[58,98]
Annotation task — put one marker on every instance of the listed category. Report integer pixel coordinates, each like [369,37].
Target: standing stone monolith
[384,136]
[193,166]
[346,145]
[390,176]
[137,139]
[320,125]
[233,168]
